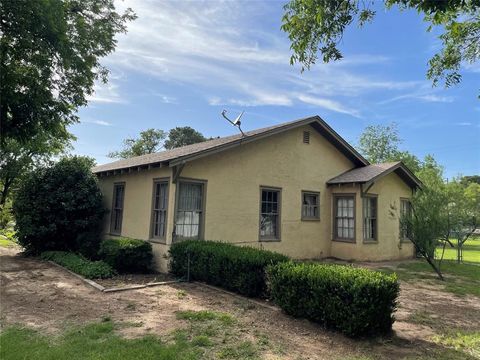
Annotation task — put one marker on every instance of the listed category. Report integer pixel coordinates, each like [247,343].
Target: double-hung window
[370,218]
[189,214]
[117,208]
[159,211]
[270,214]
[310,205]
[344,220]
[405,214]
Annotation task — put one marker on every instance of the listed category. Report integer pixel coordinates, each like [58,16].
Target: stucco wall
[234,178]
[389,190]
[282,161]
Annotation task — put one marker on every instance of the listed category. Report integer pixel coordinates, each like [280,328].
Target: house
[297,188]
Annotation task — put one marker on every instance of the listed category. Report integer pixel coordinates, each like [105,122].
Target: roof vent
[306,137]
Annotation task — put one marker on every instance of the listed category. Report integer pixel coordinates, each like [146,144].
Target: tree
[17,159]
[49,61]
[181,136]
[60,207]
[318,25]
[150,141]
[380,143]
[463,212]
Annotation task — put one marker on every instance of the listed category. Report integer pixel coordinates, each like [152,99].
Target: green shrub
[78,264]
[237,268]
[127,255]
[354,301]
[60,208]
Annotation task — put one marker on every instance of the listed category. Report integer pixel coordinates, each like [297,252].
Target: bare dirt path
[37,294]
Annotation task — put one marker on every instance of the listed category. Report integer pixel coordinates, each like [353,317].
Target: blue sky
[181,63]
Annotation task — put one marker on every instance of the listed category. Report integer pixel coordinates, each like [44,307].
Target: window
[160,204]
[269,214]
[306,137]
[370,218]
[405,212]
[310,205]
[189,217]
[117,209]
[344,217]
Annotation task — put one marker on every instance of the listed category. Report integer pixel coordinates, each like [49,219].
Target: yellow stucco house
[297,188]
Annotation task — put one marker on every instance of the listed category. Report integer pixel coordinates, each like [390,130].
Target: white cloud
[465,123]
[329,105]
[106,93]
[97,122]
[436,98]
[221,49]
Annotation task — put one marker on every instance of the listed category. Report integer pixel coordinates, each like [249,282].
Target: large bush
[354,301]
[60,208]
[236,268]
[127,255]
[78,264]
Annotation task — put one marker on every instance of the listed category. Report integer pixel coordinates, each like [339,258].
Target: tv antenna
[235,122]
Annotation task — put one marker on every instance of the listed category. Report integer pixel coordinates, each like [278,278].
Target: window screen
[117,208]
[310,205]
[189,210]
[369,218]
[270,214]
[160,204]
[345,217]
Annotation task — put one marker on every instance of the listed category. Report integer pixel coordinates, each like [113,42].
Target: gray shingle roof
[374,171]
[189,151]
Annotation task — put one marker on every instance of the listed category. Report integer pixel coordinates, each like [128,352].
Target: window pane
[189,212]
[269,209]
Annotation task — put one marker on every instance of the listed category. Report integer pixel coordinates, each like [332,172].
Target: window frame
[113,209]
[335,232]
[160,239]
[201,230]
[364,198]
[279,215]
[400,235]
[310,218]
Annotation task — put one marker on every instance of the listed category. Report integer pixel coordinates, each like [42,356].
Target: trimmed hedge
[237,268]
[354,301]
[78,264]
[127,255]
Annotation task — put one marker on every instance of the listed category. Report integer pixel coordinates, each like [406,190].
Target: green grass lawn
[208,334]
[471,251]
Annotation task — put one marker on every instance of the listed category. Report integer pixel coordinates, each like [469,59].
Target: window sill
[349,241]
[158,241]
[370,241]
[269,240]
[405,241]
[310,219]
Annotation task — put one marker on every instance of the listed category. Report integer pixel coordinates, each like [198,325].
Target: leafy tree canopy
[317,26]
[153,140]
[380,143]
[49,61]
[181,136]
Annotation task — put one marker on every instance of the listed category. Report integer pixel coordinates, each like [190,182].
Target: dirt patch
[37,294]
[133,279]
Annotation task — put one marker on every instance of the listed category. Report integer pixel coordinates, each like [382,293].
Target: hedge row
[78,264]
[237,268]
[127,255]
[354,301]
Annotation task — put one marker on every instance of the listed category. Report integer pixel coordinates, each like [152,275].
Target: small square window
[310,205]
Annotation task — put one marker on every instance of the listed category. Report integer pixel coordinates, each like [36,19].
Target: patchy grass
[205,315]
[471,251]
[94,341]
[468,342]
[7,243]
[460,279]
[422,317]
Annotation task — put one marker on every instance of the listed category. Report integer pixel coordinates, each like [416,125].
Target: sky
[181,63]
